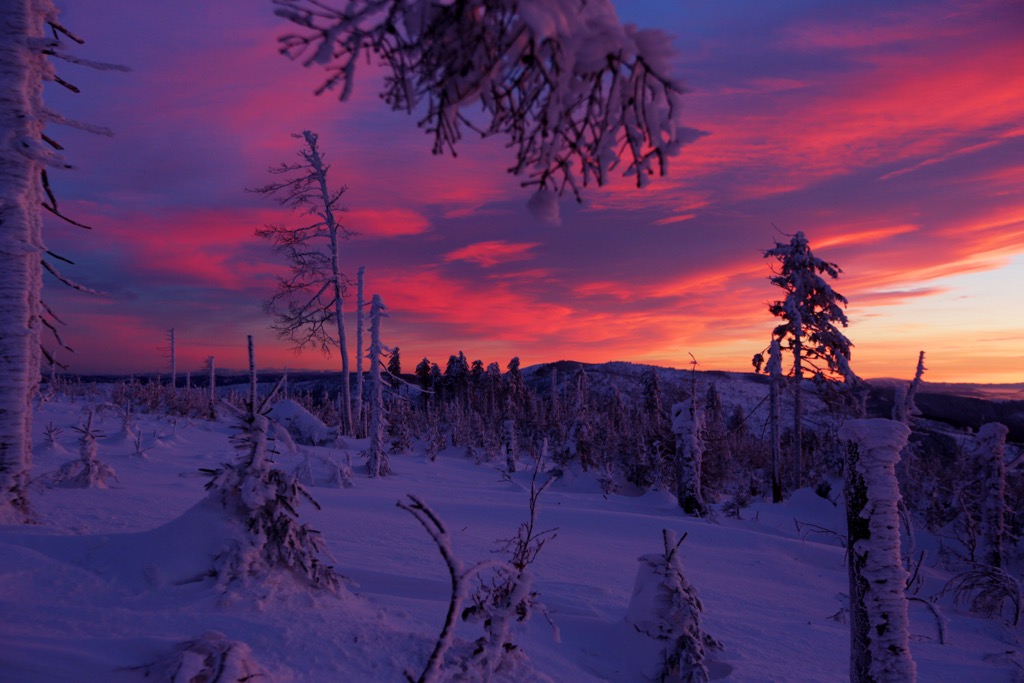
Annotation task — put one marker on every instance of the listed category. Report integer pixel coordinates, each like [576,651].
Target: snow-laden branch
[576,92]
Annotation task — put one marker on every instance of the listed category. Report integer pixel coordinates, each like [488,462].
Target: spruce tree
[809,312]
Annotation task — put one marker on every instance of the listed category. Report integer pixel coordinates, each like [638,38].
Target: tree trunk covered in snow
[377,462]
[990,460]
[22,70]
[360,303]
[879,626]
[687,424]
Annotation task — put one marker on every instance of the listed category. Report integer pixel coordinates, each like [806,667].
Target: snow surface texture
[105,585]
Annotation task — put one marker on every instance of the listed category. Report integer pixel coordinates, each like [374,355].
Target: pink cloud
[385,223]
[491,253]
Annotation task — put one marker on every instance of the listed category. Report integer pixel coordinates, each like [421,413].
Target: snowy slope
[110,580]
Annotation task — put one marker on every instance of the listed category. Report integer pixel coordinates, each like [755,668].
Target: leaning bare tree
[576,91]
[29,34]
[308,306]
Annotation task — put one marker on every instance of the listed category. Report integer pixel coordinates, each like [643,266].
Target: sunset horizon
[889,134]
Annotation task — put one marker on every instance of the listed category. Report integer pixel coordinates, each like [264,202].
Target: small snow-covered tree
[377,455]
[879,625]
[88,471]
[577,92]
[665,607]
[809,312]
[263,500]
[309,304]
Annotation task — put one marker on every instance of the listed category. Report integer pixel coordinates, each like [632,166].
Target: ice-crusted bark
[989,451]
[687,425]
[879,628]
[23,68]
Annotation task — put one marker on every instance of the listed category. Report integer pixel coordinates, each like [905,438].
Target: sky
[890,133]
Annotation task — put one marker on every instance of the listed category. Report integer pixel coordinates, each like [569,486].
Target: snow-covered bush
[210,657]
[665,608]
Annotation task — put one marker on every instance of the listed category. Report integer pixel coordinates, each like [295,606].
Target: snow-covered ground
[109,582]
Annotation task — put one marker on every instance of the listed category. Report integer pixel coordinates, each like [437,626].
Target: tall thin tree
[809,312]
[360,303]
[309,304]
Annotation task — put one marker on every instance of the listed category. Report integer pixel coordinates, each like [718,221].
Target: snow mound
[302,425]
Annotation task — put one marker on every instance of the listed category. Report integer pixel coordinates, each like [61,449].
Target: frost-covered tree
[904,408]
[809,313]
[309,304]
[576,91]
[688,426]
[29,34]
[377,455]
[360,305]
[879,625]
[989,460]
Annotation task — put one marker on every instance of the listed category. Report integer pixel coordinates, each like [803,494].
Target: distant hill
[960,406]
